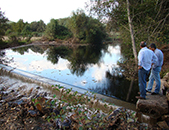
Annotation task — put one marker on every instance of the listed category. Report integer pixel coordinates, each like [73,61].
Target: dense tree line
[79,27]
[20,29]
[3,25]
[148,20]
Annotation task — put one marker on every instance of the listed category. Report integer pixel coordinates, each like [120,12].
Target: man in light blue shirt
[155,71]
[146,58]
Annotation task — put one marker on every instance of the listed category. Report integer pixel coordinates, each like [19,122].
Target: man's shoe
[140,93]
[138,97]
[153,93]
[148,91]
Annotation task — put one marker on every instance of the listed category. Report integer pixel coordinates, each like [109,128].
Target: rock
[32,113]
[38,87]
[165,117]
[1,95]
[165,81]
[165,85]
[66,124]
[166,77]
[167,95]
[163,125]
[42,105]
[115,113]
[2,88]
[155,106]
[17,102]
[2,121]
[12,91]
[29,92]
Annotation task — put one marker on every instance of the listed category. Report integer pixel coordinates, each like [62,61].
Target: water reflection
[89,67]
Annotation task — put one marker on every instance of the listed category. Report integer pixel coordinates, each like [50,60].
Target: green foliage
[149,19]
[26,30]
[23,32]
[79,26]
[54,53]
[13,37]
[63,22]
[8,32]
[51,29]
[95,32]
[82,57]
[19,26]
[41,26]
[86,29]
[34,26]
[38,27]
[54,30]
[63,33]
[3,24]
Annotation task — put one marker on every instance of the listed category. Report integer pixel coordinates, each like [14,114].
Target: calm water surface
[91,68]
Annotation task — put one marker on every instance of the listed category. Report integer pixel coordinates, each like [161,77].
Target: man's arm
[155,59]
[140,58]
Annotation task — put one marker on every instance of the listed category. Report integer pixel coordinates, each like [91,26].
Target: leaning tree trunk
[131,32]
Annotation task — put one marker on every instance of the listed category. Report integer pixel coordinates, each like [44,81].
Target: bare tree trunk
[131,32]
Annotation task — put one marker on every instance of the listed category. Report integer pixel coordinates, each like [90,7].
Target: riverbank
[24,105]
[25,102]
[18,92]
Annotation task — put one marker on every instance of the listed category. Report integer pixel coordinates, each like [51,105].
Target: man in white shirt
[146,58]
[155,71]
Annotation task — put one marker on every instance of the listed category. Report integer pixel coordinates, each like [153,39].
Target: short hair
[143,44]
[152,45]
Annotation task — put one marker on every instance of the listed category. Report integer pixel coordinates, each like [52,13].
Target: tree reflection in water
[119,87]
[81,59]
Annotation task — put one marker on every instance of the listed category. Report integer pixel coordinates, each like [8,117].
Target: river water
[91,68]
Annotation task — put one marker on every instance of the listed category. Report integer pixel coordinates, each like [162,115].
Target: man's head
[143,44]
[152,46]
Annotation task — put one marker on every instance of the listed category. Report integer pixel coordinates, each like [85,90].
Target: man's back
[146,57]
[160,56]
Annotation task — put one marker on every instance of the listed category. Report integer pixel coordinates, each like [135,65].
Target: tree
[63,21]
[34,26]
[3,24]
[12,26]
[54,30]
[131,31]
[148,20]
[41,26]
[78,24]
[51,29]
[19,26]
[86,29]
[26,32]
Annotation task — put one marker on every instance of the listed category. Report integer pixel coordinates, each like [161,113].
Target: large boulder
[165,85]
[155,105]
[165,81]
